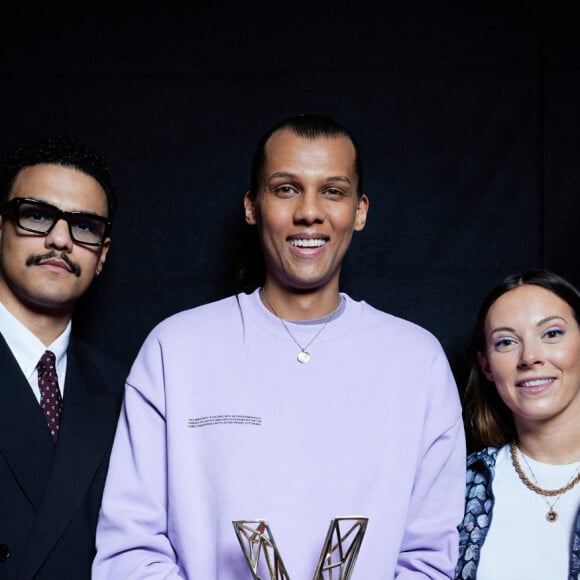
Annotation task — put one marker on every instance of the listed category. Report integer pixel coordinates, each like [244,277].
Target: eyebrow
[339,178]
[90,212]
[540,323]
[288,175]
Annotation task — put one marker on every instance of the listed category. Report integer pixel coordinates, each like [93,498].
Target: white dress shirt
[28,348]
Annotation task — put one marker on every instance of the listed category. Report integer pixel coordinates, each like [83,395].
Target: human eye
[284,190]
[86,224]
[36,214]
[334,192]
[553,334]
[504,343]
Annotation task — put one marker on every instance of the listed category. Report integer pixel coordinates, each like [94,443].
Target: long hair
[488,419]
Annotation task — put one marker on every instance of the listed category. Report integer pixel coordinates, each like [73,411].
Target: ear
[485,368]
[362,208]
[104,250]
[250,209]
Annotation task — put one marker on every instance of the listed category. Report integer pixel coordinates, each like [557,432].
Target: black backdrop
[466,113]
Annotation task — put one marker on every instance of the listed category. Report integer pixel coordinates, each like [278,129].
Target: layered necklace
[303,355]
[552,514]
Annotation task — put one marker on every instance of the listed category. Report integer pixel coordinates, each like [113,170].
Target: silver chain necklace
[303,355]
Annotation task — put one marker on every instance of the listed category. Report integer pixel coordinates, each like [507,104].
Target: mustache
[75,268]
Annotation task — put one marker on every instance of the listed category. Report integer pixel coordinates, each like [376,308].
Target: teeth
[308,243]
[535,382]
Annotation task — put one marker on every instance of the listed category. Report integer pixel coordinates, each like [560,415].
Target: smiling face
[306,210]
[533,356]
[48,274]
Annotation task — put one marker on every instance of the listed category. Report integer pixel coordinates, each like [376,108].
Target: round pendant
[552,516]
[303,356]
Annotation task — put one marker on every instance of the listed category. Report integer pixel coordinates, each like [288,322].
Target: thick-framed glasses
[40,217]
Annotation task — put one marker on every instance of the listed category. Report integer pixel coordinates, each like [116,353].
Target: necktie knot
[47,362]
[50,397]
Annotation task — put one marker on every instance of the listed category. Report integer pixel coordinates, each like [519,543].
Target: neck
[553,444]
[300,305]
[46,326]
[48,330]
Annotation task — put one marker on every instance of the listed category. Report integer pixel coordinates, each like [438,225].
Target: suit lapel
[89,416]
[24,437]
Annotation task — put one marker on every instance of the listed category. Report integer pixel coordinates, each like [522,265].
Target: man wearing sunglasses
[60,396]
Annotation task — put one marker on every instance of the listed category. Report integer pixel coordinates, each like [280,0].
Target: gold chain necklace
[303,356]
[552,515]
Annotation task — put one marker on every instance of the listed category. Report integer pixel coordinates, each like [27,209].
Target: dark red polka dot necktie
[50,398]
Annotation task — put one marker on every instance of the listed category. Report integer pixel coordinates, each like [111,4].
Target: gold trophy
[337,557]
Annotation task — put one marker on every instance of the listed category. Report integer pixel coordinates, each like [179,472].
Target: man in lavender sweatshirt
[292,403]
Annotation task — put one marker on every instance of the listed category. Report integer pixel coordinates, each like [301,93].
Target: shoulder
[206,313]
[206,322]
[184,339]
[482,461]
[99,356]
[392,327]
[108,365]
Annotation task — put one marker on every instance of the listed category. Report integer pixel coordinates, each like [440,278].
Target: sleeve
[430,544]
[132,540]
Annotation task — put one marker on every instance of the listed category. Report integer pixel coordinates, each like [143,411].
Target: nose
[531,354]
[309,208]
[59,237]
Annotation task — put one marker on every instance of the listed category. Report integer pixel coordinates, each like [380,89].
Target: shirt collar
[26,347]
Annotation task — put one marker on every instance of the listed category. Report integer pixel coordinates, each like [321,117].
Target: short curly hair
[65,151]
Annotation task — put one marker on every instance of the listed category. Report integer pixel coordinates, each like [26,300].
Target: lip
[56,263]
[535,384]
[308,238]
[307,245]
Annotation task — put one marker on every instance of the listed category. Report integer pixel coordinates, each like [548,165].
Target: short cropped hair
[65,151]
[309,127]
[487,417]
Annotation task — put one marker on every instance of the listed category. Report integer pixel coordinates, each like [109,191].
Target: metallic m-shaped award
[337,558]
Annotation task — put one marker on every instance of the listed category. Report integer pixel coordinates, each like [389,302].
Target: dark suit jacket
[50,495]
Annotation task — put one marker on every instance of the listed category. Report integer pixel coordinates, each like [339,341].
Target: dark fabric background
[466,113]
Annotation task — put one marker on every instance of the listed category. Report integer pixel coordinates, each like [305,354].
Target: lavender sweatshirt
[220,422]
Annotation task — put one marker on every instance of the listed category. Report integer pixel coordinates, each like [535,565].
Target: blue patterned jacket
[478,514]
